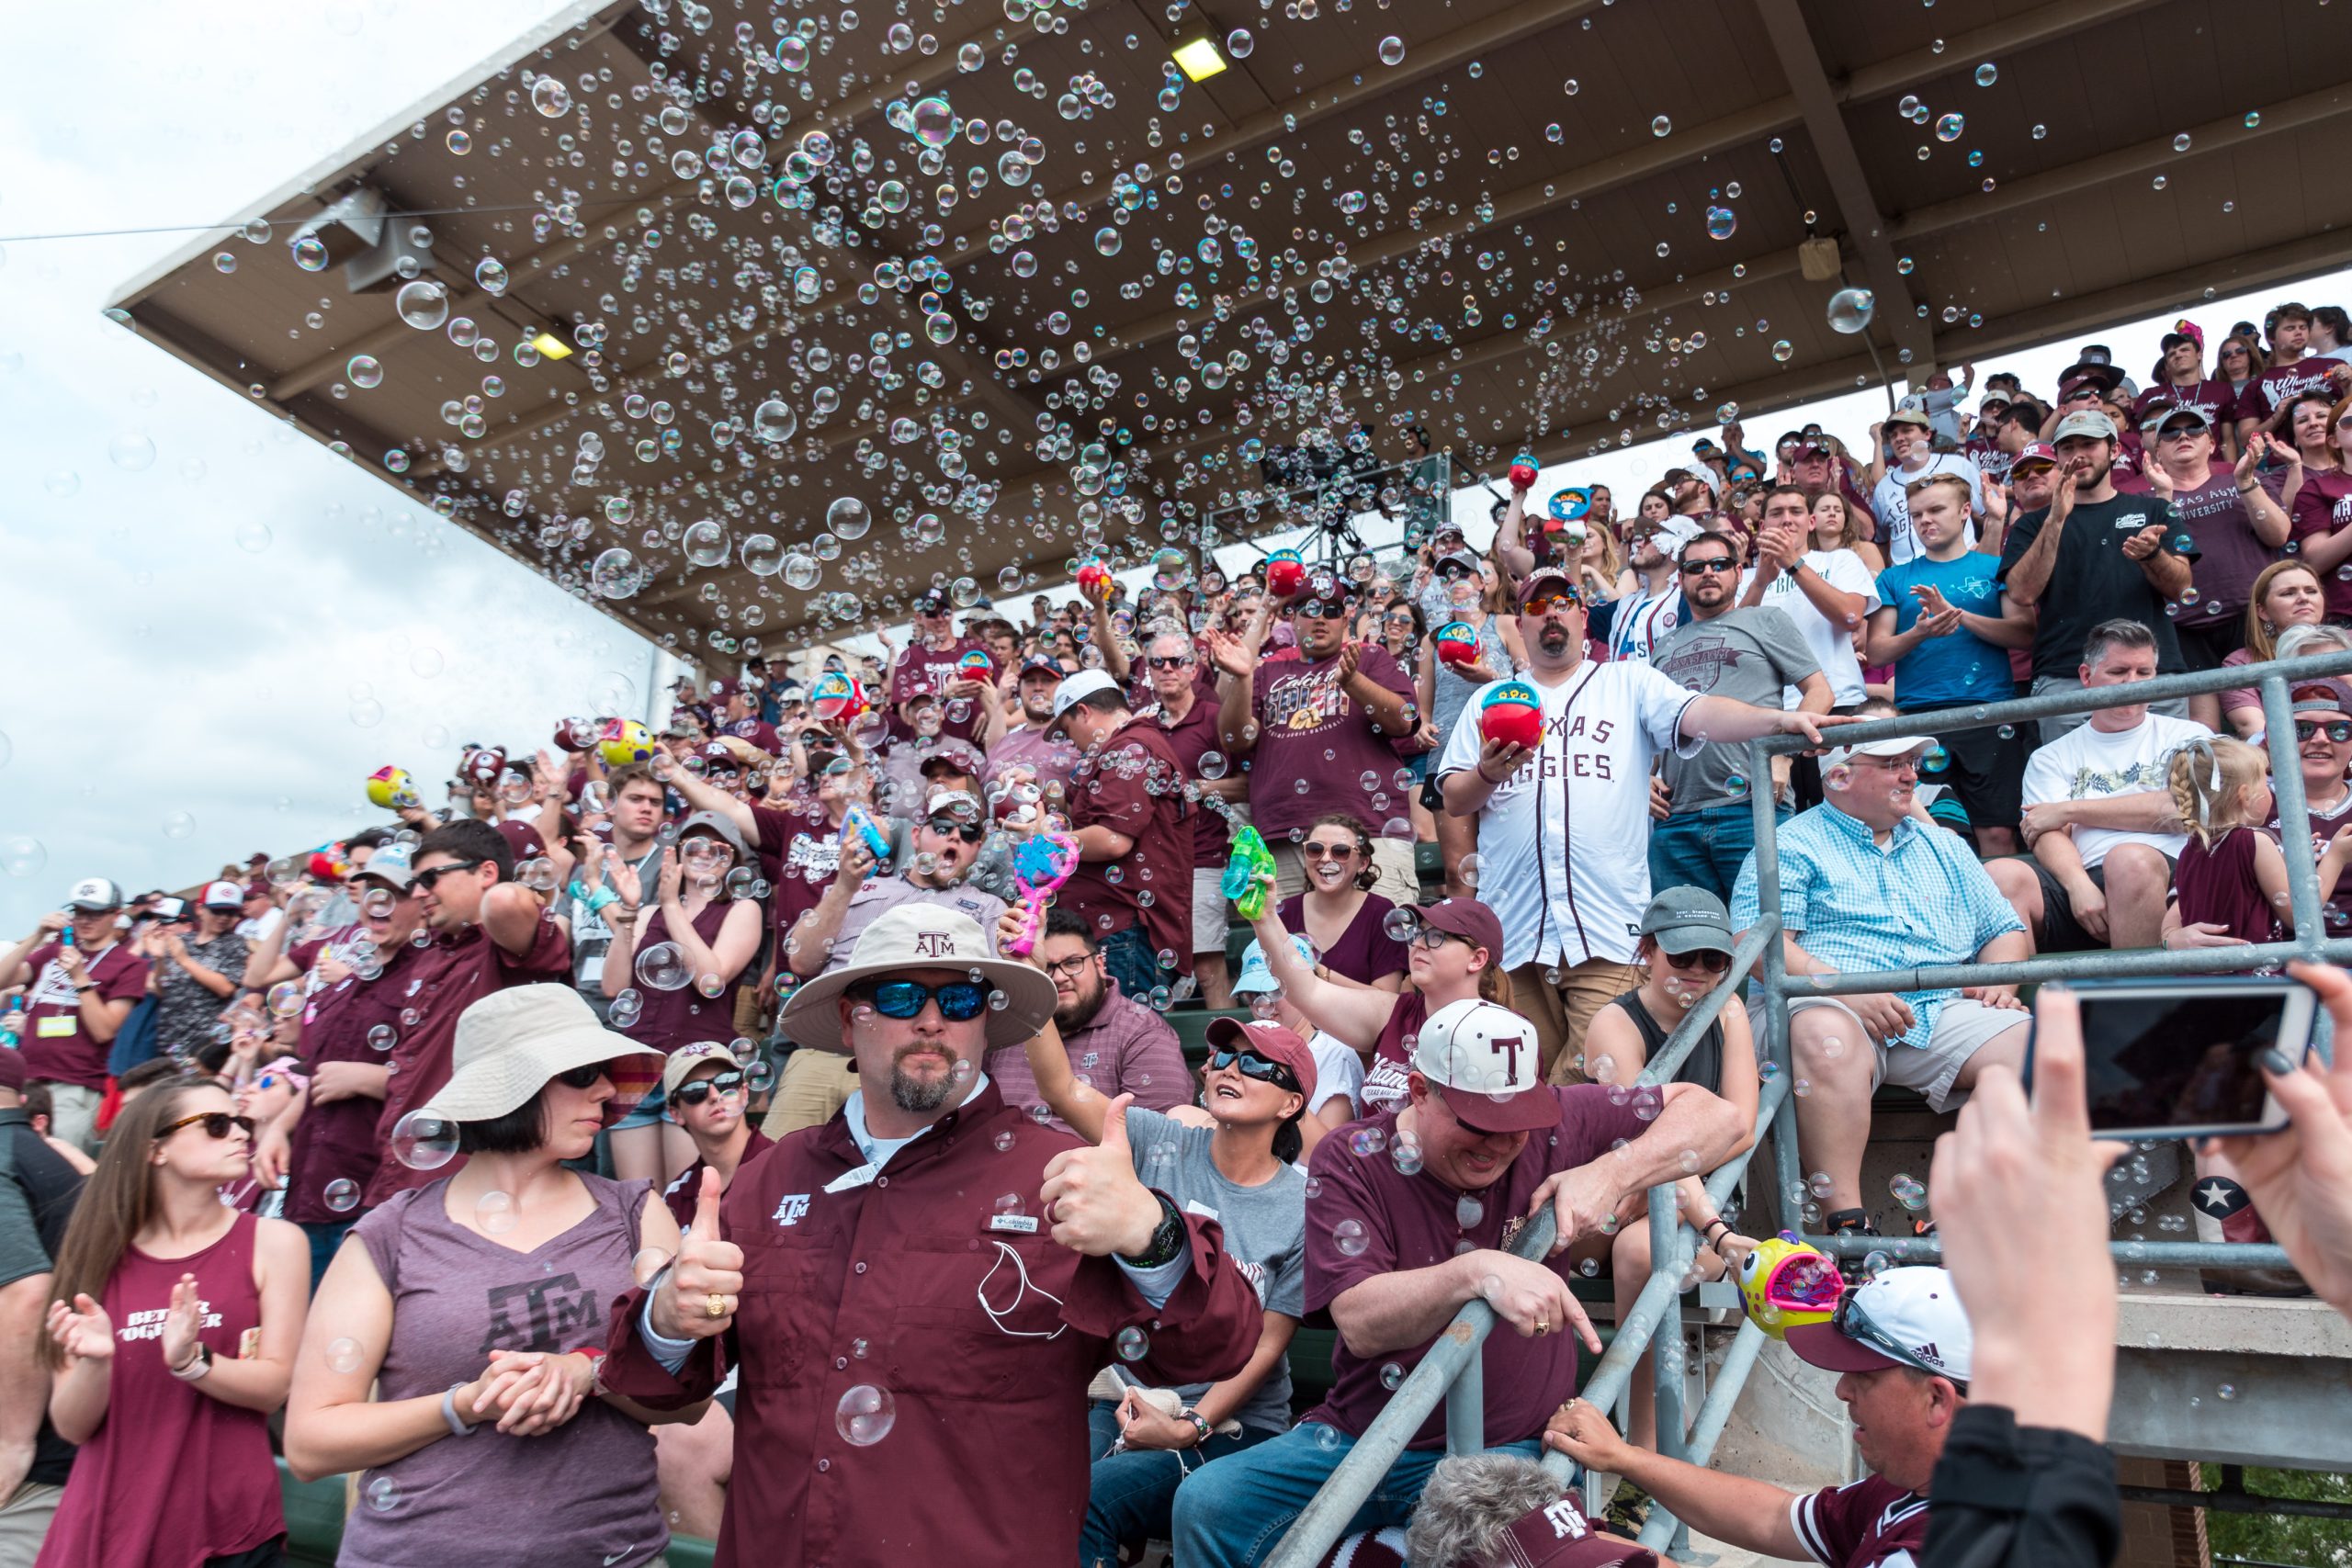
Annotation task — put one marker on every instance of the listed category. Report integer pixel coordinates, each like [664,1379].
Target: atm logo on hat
[934,944]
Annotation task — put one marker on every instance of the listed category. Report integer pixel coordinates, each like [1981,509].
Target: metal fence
[1451,1370]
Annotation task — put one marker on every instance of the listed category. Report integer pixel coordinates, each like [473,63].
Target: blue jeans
[1133,1494]
[325,1236]
[1128,955]
[1704,847]
[1233,1513]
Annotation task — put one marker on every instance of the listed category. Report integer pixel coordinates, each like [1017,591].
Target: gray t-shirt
[1746,653]
[1265,1231]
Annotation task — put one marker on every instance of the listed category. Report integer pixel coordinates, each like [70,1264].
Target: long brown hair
[1367,873]
[119,1200]
[2261,636]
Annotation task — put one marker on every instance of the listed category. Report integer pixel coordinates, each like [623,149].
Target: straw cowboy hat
[512,1042]
[922,936]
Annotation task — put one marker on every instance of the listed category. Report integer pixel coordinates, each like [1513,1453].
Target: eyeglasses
[426,879]
[217,1124]
[582,1078]
[1169,660]
[959,1000]
[1326,851]
[695,1093]
[1713,963]
[1069,968]
[949,828]
[1905,764]
[1551,599]
[1430,938]
[1253,1066]
[1713,564]
[2338,730]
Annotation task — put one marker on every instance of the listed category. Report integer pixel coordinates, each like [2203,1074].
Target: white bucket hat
[921,936]
[512,1042]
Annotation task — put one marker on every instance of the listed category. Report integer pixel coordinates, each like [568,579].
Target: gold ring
[716,1307]
[1543,1325]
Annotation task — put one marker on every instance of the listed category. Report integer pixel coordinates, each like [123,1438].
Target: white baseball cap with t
[1483,1059]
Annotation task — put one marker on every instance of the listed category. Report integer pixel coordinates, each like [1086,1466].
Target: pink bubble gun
[1042,863]
[858,820]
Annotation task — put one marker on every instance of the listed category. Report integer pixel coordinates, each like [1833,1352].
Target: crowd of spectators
[728,1102]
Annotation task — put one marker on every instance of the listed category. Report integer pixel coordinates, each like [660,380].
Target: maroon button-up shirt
[882,1285]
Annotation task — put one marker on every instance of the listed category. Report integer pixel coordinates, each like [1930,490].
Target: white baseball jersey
[1563,842]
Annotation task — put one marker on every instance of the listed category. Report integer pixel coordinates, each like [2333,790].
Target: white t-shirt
[1339,1074]
[1641,621]
[1566,841]
[1833,646]
[2091,764]
[1892,501]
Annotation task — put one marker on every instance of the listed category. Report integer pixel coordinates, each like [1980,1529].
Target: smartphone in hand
[2179,1058]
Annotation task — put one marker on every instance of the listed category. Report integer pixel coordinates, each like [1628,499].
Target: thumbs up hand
[1093,1198]
[698,1299]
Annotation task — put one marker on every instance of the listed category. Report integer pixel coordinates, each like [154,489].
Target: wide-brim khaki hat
[512,1042]
[922,936]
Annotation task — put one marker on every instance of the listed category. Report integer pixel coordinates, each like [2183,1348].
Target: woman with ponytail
[170,1339]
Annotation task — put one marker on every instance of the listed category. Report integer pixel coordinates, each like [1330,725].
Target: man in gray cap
[2094,556]
[81,984]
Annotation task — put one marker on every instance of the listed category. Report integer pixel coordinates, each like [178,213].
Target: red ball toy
[1512,714]
[1522,472]
[1457,643]
[1285,574]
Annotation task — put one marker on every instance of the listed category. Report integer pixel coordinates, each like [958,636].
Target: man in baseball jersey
[1564,826]
[1902,1345]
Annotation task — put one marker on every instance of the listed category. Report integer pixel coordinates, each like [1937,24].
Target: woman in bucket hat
[477,1305]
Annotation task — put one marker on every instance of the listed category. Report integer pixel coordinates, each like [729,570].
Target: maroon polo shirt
[1303,713]
[800,850]
[57,1048]
[336,1141]
[1415,1222]
[441,981]
[1191,738]
[682,1195]
[1133,785]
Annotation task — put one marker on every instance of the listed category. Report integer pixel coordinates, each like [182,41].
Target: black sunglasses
[1713,963]
[2338,730]
[1713,563]
[695,1093]
[1169,660]
[582,1078]
[949,827]
[217,1124]
[1253,1066]
[959,1000]
[426,879]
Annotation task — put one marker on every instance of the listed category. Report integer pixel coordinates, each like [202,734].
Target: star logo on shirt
[2220,1197]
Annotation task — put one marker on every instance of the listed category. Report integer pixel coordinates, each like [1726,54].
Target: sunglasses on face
[1712,962]
[1170,660]
[2233,353]
[695,1093]
[949,828]
[1723,564]
[428,879]
[1549,600]
[217,1124]
[1253,1066]
[1328,851]
[581,1078]
[2337,730]
[959,1000]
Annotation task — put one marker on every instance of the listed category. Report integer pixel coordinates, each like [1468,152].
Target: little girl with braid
[2231,874]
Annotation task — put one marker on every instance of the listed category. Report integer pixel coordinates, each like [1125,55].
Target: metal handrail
[1450,1370]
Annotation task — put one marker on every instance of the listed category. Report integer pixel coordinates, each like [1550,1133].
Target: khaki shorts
[1963,1027]
[1211,913]
[74,1115]
[1398,881]
[813,1085]
[24,1523]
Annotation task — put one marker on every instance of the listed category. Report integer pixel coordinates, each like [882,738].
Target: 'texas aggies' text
[1573,747]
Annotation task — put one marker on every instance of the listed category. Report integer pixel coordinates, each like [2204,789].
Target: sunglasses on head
[1713,963]
[1253,1066]
[2336,729]
[217,1124]
[427,879]
[695,1093]
[582,1078]
[951,828]
[959,1000]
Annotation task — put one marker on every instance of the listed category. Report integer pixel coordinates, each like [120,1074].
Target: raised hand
[82,1330]
[622,878]
[671,878]
[706,1280]
[1093,1197]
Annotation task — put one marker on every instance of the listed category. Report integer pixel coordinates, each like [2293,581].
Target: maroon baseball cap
[1558,1536]
[2035,452]
[1550,577]
[522,838]
[1467,919]
[1264,1037]
[13,1074]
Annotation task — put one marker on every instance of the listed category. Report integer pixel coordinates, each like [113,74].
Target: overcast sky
[215,630]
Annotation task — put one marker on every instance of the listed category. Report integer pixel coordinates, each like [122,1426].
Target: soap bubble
[865,1415]
[22,856]
[1132,1344]
[1348,1238]
[343,1356]
[342,1195]
[1392,51]
[662,968]
[495,1213]
[423,304]
[424,1142]
[1849,310]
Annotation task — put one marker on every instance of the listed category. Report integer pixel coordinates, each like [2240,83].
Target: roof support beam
[2039,24]
[1865,228]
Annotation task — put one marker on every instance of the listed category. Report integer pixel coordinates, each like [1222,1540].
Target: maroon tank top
[672,1018]
[2218,884]
[174,1476]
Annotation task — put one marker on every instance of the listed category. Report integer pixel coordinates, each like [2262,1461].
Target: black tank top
[1704,1065]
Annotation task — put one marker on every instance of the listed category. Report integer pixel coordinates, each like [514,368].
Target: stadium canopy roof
[1001,274]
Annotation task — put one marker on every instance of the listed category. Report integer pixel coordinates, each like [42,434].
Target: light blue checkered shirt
[1922,900]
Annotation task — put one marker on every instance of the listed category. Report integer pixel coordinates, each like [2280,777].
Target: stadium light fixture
[1200,58]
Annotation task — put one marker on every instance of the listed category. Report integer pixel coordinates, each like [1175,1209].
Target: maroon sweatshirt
[879,1286]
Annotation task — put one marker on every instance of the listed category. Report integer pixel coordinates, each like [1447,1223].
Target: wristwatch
[1168,1240]
[198,1365]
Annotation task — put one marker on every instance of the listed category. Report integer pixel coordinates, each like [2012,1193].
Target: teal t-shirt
[1964,667]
